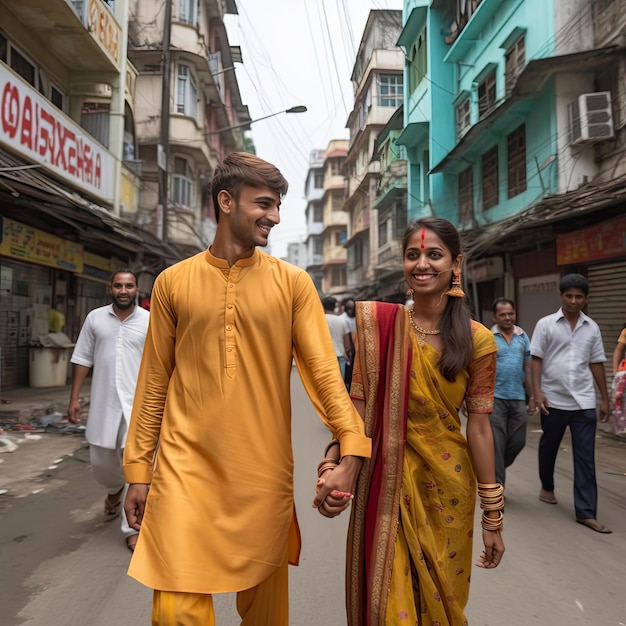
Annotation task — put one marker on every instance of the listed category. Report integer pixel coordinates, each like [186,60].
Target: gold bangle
[492,524]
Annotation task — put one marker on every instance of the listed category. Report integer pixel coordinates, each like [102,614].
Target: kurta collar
[223,263]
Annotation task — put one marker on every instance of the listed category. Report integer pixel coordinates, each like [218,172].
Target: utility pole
[163,148]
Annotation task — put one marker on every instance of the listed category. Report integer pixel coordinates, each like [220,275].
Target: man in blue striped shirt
[508,420]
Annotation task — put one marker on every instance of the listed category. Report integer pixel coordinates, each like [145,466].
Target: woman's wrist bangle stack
[326,464]
[492,523]
[491,499]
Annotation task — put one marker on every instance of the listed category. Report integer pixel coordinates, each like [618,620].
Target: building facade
[514,131]
[314,217]
[205,118]
[68,173]
[335,220]
[377,80]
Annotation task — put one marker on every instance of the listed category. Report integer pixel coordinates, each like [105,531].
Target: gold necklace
[421,332]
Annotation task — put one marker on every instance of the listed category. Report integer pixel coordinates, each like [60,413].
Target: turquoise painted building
[511,106]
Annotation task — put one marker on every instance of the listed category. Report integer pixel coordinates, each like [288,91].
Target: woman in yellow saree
[410,539]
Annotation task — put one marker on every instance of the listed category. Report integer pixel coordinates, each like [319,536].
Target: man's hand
[542,402]
[604,410]
[73,411]
[335,489]
[135,504]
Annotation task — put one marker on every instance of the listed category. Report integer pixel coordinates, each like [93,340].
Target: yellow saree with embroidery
[410,538]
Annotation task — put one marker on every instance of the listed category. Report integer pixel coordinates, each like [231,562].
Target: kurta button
[229,306]
[231,286]
[229,327]
[229,349]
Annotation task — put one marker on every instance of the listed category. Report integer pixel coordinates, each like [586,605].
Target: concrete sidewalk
[33,447]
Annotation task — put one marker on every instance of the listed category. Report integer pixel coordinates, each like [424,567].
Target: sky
[297,52]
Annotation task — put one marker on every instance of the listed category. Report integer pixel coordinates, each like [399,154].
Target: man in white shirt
[567,357]
[111,342]
[339,333]
[349,317]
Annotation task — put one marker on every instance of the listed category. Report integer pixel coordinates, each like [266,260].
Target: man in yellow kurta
[210,433]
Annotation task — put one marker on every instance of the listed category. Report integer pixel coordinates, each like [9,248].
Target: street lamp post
[297,109]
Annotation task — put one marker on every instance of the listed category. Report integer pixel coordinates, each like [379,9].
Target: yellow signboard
[20,241]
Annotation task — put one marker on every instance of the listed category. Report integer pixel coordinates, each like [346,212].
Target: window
[318,245]
[490,178]
[383,233]
[399,217]
[336,167]
[23,67]
[4,48]
[188,11]
[515,58]
[182,184]
[419,61]
[337,276]
[390,90]
[462,118]
[187,97]
[516,161]
[487,95]
[57,97]
[340,237]
[337,201]
[318,212]
[318,182]
[466,194]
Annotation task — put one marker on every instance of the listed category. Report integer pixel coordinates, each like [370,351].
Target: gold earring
[409,299]
[455,291]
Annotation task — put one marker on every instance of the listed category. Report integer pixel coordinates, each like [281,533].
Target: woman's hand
[335,487]
[494,549]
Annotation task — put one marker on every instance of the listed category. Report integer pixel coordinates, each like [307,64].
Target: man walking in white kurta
[111,342]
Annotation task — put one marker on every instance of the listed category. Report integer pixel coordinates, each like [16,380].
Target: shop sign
[26,243]
[103,27]
[539,285]
[33,127]
[602,241]
[96,266]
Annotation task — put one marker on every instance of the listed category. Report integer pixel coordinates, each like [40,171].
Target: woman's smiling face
[428,263]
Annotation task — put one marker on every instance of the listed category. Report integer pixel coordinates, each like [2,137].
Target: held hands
[335,487]
[135,504]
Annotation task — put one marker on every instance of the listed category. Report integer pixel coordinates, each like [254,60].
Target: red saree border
[385,361]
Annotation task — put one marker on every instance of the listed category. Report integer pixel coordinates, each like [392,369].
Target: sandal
[131,541]
[595,525]
[113,504]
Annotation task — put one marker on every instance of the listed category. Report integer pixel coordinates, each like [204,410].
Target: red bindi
[423,231]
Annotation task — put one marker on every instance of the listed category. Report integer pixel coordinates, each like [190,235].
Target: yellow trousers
[267,604]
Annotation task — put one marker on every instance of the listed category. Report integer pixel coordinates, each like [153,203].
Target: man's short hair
[241,169]
[123,270]
[499,301]
[574,281]
[329,303]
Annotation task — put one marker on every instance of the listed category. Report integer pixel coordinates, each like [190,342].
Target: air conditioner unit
[591,118]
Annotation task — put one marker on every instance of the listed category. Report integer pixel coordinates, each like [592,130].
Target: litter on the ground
[6,444]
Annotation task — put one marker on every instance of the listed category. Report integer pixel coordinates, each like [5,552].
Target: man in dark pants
[567,357]
[509,416]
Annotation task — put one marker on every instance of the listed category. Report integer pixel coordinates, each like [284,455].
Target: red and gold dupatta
[382,375]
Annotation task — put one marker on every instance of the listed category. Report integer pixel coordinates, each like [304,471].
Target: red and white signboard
[33,127]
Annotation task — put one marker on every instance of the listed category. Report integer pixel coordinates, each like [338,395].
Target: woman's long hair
[456,331]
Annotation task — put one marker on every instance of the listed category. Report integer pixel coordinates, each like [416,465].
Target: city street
[62,565]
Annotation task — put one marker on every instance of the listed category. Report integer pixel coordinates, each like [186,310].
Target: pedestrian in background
[567,357]
[410,540]
[215,504]
[348,316]
[618,386]
[513,386]
[339,333]
[111,342]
